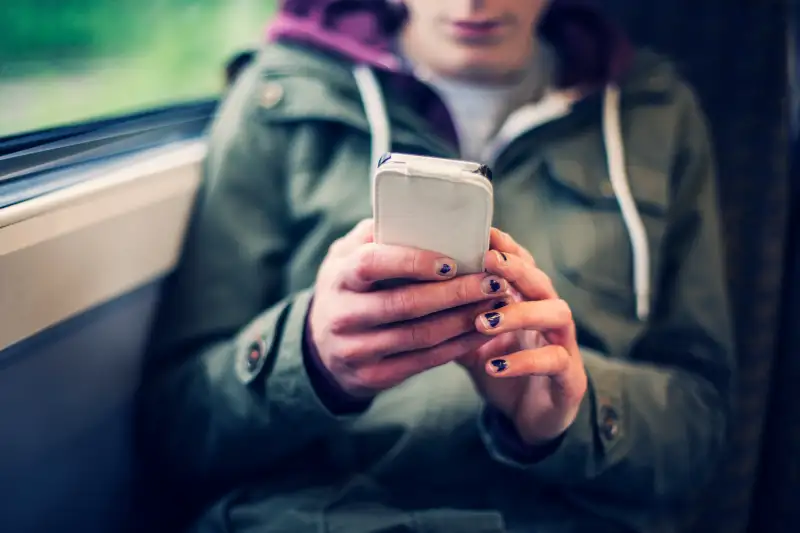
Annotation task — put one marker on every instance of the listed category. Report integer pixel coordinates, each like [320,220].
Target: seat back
[80,272]
[734,54]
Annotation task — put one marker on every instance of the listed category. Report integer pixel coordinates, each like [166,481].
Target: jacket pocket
[590,243]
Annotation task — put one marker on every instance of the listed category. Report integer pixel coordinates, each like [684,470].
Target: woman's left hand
[532,371]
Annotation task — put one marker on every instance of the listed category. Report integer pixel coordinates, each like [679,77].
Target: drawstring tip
[642,307]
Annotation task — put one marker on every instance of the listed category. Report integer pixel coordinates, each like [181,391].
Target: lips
[476,30]
[487,25]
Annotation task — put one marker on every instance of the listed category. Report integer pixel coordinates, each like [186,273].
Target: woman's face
[472,39]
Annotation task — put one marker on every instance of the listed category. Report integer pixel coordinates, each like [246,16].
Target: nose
[466,8]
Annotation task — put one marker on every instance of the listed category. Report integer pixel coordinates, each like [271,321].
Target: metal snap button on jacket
[609,422]
[255,353]
[271,95]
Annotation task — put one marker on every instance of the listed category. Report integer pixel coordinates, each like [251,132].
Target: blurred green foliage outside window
[68,61]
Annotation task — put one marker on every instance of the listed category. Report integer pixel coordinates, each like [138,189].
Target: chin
[485,63]
[486,71]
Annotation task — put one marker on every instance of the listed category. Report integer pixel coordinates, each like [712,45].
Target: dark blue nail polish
[494,285]
[500,365]
[384,158]
[493,319]
[500,305]
[445,269]
[503,256]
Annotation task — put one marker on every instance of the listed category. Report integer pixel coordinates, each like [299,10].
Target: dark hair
[237,64]
[390,15]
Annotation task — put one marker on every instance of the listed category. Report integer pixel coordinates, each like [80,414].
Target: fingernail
[499,365]
[499,305]
[501,257]
[491,320]
[493,285]
[446,267]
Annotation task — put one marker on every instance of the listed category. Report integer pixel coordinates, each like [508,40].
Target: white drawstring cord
[615,153]
[377,115]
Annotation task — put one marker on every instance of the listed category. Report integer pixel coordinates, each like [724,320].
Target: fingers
[371,263]
[515,264]
[542,315]
[389,372]
[410,336]
[503,242]
[410,302]
[552,360]
[529,281]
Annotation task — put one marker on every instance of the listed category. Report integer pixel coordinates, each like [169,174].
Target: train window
[69,61]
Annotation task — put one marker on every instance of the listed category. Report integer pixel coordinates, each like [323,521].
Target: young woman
[581,384]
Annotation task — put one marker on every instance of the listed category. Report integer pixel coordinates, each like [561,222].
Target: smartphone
[441,205]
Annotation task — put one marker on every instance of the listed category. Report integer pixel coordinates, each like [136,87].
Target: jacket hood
[592,50]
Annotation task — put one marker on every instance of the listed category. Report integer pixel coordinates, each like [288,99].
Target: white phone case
[434,204]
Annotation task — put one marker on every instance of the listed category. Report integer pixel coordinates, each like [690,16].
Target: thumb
[362,233]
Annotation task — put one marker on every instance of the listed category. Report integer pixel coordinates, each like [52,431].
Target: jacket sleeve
[227,395]
[653,422]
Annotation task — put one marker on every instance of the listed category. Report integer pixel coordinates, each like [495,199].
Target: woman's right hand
[371,339]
